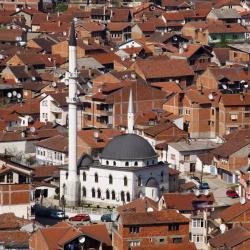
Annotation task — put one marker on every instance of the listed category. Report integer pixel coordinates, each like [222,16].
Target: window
[162,176]
[134,243]
[44,103]
[122,196]
[125,181]
[197,222]
[139,181]
[212,111]
[136,164]
[177,240]
[2,178]
[126,164]
[96,178]
[162,240]
[107,195]
[93,193]
[107,163]
[114,163]
[197,238]
[84,176]
[67,175]
[186,157]
[134,230]
[172,157]
[110,179]
[173,227]
[128,197]
[113,195]
[99,194]
[84,192]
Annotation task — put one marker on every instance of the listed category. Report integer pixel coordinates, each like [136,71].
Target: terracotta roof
[59,98]
[152,218]
[117,26]
[159,128]
[45,171]
[158,68]
[188,185]
[120,15]
[98,232]
[147,27]
[226,28]
[172,171]
[14,239]
[231,238]
[57,143]
[139,205]
[8,221]
[222,54]
[169,246]
[169,87]
[10,35]
[91,26]
[234,211]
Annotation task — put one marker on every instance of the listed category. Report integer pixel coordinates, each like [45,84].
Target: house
[244,182]
[12,36]
[52,151]
[232,155]
[149,229]
[204,163]
[17,199]
[182,155]
[225,15]
[119,31]
[13,6]
[68,236]
[239,53]
[220,56]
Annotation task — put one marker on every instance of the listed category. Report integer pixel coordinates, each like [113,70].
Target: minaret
[131,116]
[72,183]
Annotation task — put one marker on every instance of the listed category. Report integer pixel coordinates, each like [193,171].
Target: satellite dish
[9,94]
[78,92]
[19,96]
[30,119]
[210,97]
[53,84]
[75,19]
[242,200]
[246,85]
[33,78]
[206,192]
[66,82]
[224,86]
[197,192]
[14,93]
[222,228]
[23,134]
[114,216]
[81,239]
[32,129]
[175,38]
[96,134]
[184,46]
[150,209]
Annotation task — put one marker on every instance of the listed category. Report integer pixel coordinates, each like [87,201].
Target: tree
[61,7]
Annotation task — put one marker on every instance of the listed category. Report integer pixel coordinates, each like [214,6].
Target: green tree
[61,7]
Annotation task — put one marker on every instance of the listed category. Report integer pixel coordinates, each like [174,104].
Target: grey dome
[128,147]
[84,161]
[152,183]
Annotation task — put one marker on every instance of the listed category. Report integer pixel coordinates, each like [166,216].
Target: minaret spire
[130,117]
[72,183]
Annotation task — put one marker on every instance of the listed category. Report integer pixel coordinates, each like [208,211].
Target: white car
[57,214]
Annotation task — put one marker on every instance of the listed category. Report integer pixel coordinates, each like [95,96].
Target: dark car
[195,178]
[232,194]
[80,217]
[106,218]
[204,185]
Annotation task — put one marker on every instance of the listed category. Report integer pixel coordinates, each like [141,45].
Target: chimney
[242,97]
[181,50]
[48,17]
[59,23]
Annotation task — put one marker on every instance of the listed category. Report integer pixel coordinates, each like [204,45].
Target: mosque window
[93,193]
[84,192]
[110,179]
[126,163]
[99,193]
[96,178]
[122,196]
[125,181]
[139,180]
[113,195]
[107,195]
[107,163]
[114,163]
[128,197]
[162,176]
[84,176]
[136,163]
[67,175]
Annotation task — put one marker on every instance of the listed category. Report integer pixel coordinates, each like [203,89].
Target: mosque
[127,168]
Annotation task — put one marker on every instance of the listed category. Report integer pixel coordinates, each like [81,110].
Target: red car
[232,194]
[80,217]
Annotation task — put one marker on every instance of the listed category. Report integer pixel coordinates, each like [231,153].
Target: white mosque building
[127,169]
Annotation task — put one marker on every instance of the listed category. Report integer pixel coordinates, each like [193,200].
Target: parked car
[80,217]
[204,185]
[195,178]
[232,194]
[106,218]
[57,214]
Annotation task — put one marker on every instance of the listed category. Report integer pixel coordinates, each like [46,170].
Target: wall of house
[238,56]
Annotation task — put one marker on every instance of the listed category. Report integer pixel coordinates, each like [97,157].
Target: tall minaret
[72,183]
[131,116]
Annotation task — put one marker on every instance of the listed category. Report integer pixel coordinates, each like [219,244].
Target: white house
[182,155]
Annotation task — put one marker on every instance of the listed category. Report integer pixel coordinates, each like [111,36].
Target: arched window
[84,192]
[153,162]
[122,196]
[67,175]
[110,179]
[126,164]
[139,180]
[113,195]
[93,193]
[136,163]
[125,181]
[64,189]
[107,195]
[147,163]
[99,193]
[84,176]
[128,197]
[107,163]
[114,163]
[10,177]
[162,176]
[96,177]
